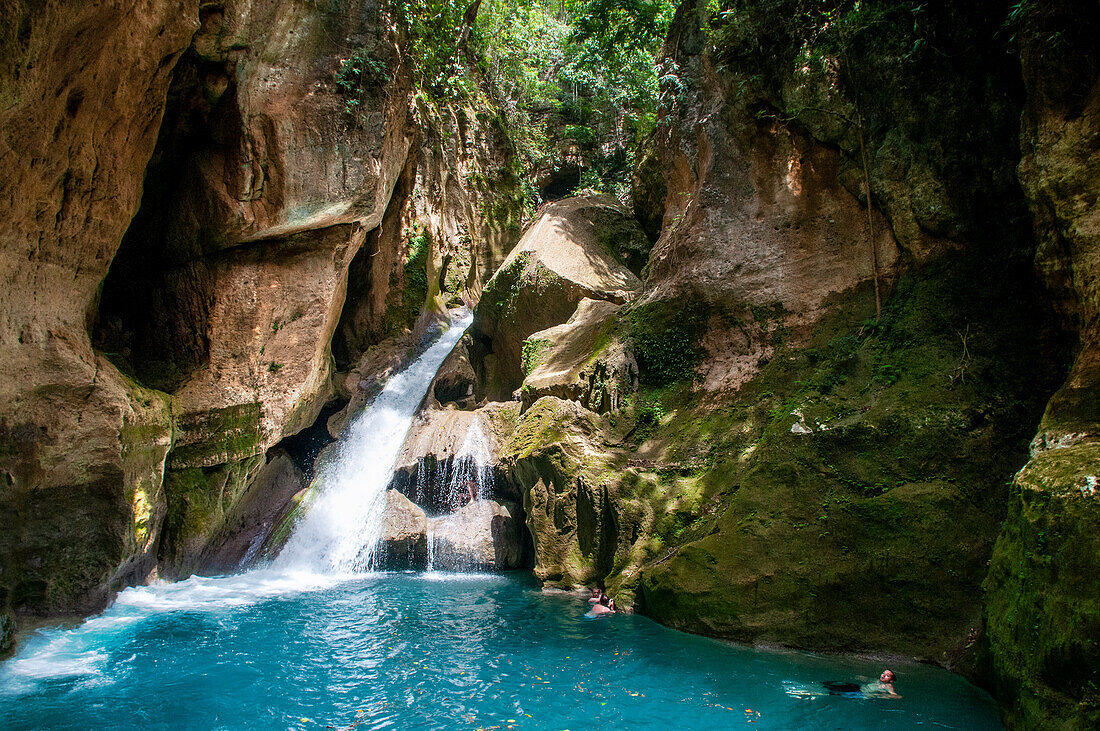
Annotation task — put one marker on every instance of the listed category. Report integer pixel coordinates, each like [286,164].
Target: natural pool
[270,650]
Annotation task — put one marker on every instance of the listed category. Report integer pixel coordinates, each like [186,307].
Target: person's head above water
[887,676]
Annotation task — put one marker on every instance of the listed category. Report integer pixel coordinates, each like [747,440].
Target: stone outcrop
[483,535]
[1042,606]
[403,543]
[81,446]
[251,519]
[576,518]
[583,360]
[564,257]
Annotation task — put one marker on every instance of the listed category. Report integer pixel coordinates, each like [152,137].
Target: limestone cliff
[82,447]
[1043,607]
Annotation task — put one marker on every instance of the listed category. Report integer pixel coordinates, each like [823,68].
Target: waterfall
[340,529]
[471,465]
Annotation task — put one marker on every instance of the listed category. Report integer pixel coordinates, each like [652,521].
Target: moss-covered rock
[199,501]
[583,360]
[860,474]
[573,510]
[560,261]
[7,633]
[1042,603]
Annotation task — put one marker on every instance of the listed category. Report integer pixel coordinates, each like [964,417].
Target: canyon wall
[828,405]
[194,192]
[82,446]
[1043,608]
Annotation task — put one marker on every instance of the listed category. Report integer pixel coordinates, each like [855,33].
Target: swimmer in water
[602,607]
[881,688]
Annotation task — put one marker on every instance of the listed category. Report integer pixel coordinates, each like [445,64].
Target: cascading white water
[471,464]
[470,467]
[340,529]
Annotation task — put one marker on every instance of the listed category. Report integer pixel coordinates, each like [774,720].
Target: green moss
[534,351]
[217,436]
[665,339]
[769,534]
[497,301]
[1042,608]
[198,500]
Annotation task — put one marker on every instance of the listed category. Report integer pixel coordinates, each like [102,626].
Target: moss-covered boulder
[567,255]
[1043,596]
[237,541]
[583,360]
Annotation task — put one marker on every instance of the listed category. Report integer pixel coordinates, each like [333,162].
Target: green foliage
[577,77]
[433,29]
[357,75]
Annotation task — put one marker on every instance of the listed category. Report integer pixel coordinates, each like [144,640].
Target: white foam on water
[83,651]
[333,543]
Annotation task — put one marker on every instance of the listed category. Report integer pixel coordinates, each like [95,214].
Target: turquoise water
[429,651]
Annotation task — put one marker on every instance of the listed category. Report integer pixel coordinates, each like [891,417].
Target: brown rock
[403,543]
[80,446]
[581,360]
[559,261]
[483,535]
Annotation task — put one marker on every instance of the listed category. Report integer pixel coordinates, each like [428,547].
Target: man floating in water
[881,688]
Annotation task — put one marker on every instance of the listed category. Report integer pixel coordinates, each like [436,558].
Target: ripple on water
[428,651]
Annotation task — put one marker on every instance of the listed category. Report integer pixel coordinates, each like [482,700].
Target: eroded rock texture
[81,446]
[1043,608]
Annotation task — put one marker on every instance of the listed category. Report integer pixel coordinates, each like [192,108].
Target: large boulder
[582,360]
[563,258]
[483,535]
[403,541]
[578,520]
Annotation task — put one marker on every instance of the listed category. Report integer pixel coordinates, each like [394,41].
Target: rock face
[576,519]
[1041,609]
[581,360]
[403,544]
[563,258]
[252,518]
[483,535]
[230,282]
[81,446]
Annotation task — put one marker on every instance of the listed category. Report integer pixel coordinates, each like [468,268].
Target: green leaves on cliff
[576,81]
